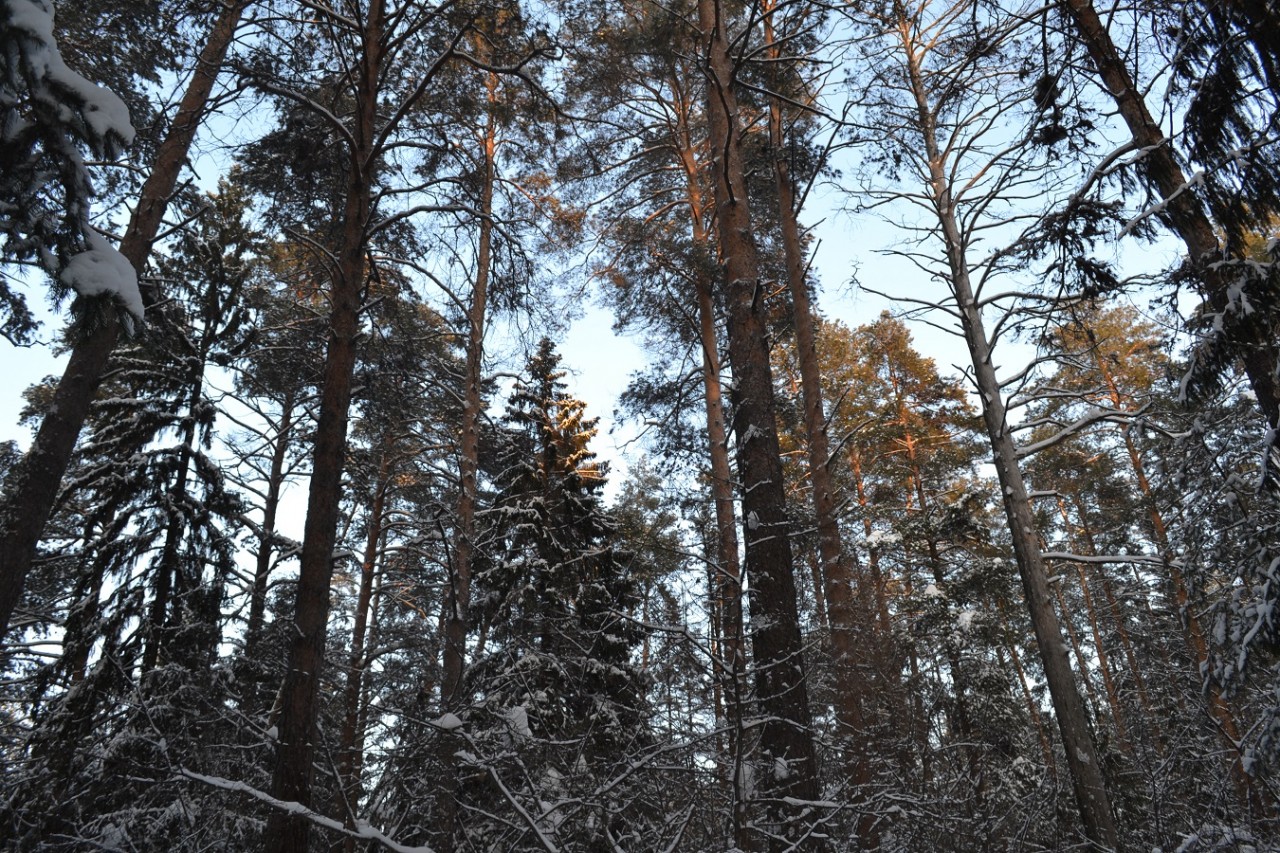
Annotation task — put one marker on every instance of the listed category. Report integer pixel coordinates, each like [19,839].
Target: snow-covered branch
[363,831]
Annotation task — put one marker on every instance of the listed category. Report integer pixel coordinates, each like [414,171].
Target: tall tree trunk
[251,700]
[1082,755]
[1073,723]
[35,481]
[848,622]
[457,601]
[1183,211]
[786,737]
[885,659]
[350,757]
[728,571]
[1090,692]
[291,780]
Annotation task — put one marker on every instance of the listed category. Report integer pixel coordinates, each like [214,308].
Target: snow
[102,270]
[448,723]
[1160,206]
[362,831]
[105,115]
[883,539]
[518,721]
[816,804]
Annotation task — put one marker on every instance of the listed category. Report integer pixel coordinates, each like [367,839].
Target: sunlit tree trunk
[838,587]
[727,571]
[457,600]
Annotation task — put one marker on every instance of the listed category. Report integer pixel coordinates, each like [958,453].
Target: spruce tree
[559,705]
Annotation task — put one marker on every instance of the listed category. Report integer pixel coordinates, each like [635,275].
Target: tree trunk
[35,481]
[848,623]
[458,596]
[1183,210]
[291,781]
[1073,723]
[883,658]
[1046,748]
[254,626]
[1122,633]
[786,739]
[959,680]
[1082,755]
[350,757]
[727,576]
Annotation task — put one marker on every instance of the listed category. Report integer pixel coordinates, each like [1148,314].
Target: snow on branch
[100,269]
[50,113]
[1138,559]
[1160,206]
[1095,415]
[363,831]
[52,83]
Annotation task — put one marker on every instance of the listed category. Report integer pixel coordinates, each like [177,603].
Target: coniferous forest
[313,547]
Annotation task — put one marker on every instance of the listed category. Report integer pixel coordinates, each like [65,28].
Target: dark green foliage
[559,705]
[138,560]
[1228,69]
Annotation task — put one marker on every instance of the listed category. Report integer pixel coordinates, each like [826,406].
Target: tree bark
[1046,748]
[35,481]
[727,573]
[458,596]
[1104,657]
[786,739]
[291,780]
[1082,755]
[847,621]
